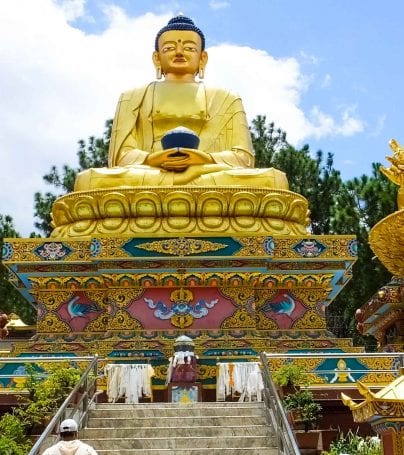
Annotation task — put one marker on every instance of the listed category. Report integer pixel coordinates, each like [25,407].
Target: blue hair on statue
[180,23]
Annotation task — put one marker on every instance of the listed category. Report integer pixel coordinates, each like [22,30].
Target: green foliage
[314,178]
[46,394]
[8,446]
[360,204]
[290,374]
[13,439]
[12,427]
[305,409]
[353,444]
[94,153]
[10,299]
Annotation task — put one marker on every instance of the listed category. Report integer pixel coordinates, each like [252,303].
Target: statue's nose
[179,50]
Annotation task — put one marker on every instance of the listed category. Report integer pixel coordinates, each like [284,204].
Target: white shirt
[75,447]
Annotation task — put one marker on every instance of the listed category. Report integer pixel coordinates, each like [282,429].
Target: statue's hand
[178,159]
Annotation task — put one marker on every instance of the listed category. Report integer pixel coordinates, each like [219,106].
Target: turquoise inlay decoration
[217,246]
[353,247]
[7,251]
[269,246]
[52,251]
[309,248]
[95,248]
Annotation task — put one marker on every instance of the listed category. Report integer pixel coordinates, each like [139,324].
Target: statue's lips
[180,60]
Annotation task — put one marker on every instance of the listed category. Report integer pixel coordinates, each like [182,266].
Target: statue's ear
[204,58]
[156,59]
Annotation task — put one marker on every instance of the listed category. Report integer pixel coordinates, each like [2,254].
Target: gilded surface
[181,210]
[395,172]
[84,253]
[181,246]
[386,238]
[240,319]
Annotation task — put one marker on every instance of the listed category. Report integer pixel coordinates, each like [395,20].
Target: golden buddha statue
[138,161]
[144,115]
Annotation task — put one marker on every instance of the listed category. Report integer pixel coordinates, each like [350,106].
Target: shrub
[289,375]
[354,444]
[304,408]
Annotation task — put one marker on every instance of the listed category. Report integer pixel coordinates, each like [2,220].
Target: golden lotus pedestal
[180,210]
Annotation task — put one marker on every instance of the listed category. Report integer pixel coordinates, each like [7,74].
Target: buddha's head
[180,50]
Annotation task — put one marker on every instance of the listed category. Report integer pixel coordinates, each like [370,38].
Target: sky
[328,72]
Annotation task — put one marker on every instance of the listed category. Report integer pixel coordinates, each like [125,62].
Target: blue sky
[329,72]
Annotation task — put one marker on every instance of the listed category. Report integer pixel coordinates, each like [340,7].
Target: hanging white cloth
[129,381]
[243,378]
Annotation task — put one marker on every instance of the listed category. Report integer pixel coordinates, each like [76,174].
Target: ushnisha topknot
[180,22]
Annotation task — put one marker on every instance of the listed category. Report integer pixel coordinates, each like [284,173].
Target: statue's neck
[171,77]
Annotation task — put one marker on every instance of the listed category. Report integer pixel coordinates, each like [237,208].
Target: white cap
[68,425]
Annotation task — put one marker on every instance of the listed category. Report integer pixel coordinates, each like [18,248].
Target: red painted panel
[155,308]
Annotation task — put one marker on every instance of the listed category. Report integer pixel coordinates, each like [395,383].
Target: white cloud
[321,124]
[215,4]
[72,9]
[59,85]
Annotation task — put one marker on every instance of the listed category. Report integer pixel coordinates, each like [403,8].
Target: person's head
[180,50]
[68,429]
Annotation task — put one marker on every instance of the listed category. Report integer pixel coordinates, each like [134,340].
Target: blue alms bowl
[180,137]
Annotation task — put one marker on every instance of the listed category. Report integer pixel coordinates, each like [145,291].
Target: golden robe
[144,115]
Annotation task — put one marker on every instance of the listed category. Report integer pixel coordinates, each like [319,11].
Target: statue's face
[180,52]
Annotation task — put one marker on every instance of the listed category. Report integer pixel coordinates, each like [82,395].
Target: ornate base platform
[180,210]
[238,293]
[129,299]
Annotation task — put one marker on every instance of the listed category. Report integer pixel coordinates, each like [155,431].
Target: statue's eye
[168,48]
[190,49]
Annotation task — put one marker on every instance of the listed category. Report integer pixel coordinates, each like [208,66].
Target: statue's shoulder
[221,93]
[134,96]
[221,101]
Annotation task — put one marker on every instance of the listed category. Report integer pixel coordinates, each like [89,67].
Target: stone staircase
[180,429]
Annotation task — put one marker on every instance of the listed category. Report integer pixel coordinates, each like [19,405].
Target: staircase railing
[71,407]
[276,415]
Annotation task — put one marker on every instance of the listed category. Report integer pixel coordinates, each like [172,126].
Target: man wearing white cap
[69,444]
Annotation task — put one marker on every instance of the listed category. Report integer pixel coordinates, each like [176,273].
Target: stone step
[194,442]
[179,429]
[123,431]
[181,421]
[134,411]
[191,405]
[207,451]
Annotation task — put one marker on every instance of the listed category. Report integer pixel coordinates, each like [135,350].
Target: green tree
[313,178]
[361,203]
[93,153]
[11,300]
